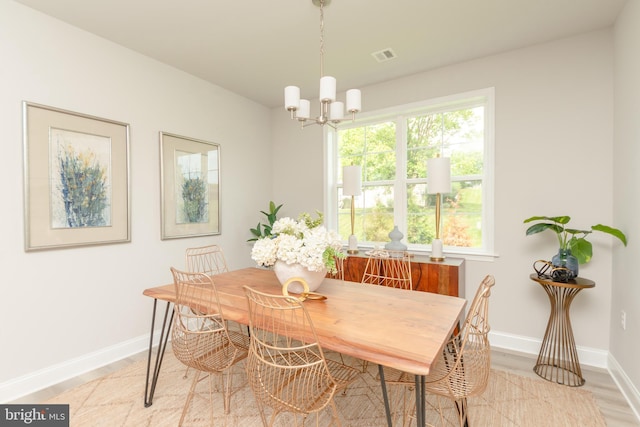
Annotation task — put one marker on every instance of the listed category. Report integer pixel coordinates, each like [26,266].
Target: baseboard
[47,377]
[587,356]
[625,385]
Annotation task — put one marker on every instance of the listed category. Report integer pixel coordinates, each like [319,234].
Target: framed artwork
[76,179]
[190,181]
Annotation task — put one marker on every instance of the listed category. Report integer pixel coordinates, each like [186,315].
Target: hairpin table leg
[162,345]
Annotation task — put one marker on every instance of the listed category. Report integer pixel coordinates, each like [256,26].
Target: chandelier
[332,112]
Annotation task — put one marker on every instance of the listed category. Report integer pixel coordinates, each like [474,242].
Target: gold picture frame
[76,179]
[190,187]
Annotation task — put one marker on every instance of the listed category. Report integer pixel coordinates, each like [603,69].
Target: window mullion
[400,188]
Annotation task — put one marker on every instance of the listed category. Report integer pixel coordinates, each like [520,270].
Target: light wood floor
[613,405]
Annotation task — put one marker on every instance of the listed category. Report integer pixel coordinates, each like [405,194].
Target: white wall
[625,346]
[75,304]
[554,117]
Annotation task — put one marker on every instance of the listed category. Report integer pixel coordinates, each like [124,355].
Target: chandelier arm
[316,122]
[332,126]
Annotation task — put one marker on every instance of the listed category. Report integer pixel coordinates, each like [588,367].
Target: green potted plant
[264,230]
[574,247]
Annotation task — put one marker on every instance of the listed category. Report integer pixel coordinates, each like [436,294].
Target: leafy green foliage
[310,222]
[264,230]
[329,257]
[571,238]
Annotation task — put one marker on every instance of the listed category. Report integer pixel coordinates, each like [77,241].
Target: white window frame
[487,96]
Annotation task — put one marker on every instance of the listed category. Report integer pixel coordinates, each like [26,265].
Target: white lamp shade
[336,110]
[352,180]
[304,111]
[291,97]
[439,175]
[328,88]
[354,100]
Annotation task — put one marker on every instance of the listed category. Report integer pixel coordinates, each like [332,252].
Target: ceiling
[256,48]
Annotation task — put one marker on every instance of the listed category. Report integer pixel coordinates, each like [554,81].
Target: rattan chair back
[463,368]
[206,259]
[389,268]
[199,336]
[286,367]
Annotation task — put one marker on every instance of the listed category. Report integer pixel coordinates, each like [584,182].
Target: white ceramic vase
[395,244]
[286,271]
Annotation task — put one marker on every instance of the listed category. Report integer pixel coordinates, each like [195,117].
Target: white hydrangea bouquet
[304,241]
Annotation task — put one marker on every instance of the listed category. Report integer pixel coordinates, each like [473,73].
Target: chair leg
[440,410]
[407,398]
[211,399]
[273,418]
[189,397]
[226,393]
[263,417]
[461,407]
[335,416]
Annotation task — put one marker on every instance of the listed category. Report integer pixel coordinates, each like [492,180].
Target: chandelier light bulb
[354,101]
[336,111]
[291,98]
[304,112]
[327,89]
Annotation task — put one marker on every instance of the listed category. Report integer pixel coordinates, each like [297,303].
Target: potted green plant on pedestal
[574,247]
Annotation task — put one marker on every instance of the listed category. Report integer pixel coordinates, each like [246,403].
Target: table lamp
[438,183]
[352,186]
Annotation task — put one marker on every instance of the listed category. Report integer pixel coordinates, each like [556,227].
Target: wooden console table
[558,359]
[443,277]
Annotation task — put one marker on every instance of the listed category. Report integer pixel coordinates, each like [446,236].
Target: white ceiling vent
[384,55]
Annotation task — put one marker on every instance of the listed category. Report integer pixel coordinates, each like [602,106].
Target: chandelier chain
[321,38]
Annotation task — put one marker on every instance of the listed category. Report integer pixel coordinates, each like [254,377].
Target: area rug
[509,400]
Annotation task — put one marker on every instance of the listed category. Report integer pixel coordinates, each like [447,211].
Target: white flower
[294,242]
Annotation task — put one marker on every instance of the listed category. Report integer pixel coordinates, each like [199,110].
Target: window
[392,147]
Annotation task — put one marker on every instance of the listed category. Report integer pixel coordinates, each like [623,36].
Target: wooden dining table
[401,329]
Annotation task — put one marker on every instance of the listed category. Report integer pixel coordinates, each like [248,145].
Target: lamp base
[353,245]
[436,250]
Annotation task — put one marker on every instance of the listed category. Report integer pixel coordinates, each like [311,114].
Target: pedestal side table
[558,359]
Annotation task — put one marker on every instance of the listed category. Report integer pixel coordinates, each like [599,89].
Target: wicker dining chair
[209,260]
[286,367]
[200,338]
[463,368]
[389,268]
[206,259]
